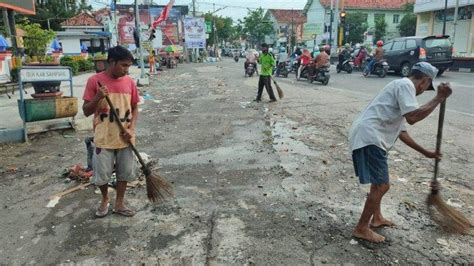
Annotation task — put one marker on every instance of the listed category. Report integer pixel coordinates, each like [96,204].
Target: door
[398,49]
[387,50]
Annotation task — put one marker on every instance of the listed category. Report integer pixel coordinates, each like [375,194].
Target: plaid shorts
[370,165]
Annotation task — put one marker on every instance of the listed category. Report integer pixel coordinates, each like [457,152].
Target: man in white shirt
[375,131]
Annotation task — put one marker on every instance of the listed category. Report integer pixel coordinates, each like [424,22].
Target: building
[83,29]
[286,23]
[318,14]
[430,22]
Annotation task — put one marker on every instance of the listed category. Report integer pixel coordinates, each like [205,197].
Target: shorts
[370,165]
[106,160]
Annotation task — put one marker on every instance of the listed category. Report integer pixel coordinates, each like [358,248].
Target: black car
[403,53]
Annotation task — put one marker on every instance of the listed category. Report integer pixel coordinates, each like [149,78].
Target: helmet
[347,46]
[379,43]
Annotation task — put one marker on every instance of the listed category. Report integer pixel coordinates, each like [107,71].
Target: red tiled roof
[288,15]
[83,19]
[371,4]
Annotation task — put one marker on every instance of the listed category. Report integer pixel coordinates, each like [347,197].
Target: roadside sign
[45,74]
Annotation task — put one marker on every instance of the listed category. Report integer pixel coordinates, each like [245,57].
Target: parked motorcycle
[346,65]
[380,68]
[322,75]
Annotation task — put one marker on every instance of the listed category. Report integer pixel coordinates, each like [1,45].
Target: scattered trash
[401,179]
[147,97]
[353,242]
[78,172]
[53,202]
[399,160]
[156,101]
[455,203]
[442,242]
[12,169]
[342,181]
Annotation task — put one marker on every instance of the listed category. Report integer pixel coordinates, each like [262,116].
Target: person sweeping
[375,131]
[112,145]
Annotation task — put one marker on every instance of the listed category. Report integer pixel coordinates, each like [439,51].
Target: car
[402,53]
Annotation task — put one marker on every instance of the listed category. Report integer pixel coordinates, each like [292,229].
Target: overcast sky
[235,9]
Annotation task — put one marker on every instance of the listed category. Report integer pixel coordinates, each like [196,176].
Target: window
[396,19]
[379,16]
[399,45]
[410,44]
[387,46]
[438,42]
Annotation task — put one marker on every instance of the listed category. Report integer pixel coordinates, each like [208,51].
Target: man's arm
[89,107]
[412,144]
[421,113]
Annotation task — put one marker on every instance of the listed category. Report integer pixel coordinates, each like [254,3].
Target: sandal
[102,213]
[125,212]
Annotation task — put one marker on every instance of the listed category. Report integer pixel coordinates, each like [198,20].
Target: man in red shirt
[112,145]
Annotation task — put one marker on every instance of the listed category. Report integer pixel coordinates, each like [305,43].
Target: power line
[231,6]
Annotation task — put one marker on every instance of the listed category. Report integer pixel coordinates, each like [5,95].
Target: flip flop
[125,212]
[102,213]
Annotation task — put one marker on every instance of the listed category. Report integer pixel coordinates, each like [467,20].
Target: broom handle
[442,110]
[122,129]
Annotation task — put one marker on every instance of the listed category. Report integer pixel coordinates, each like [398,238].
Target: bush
[65,59]
[72,64]
[85,65]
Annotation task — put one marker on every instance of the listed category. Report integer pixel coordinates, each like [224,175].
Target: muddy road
[256,183]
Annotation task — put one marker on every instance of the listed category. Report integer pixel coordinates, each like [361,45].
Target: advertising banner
[195,32]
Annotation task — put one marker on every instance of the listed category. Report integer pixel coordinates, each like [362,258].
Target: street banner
[195,32]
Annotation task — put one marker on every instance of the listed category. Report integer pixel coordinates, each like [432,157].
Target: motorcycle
[346,66]
[359,67]
[282,69]
[250,70]
[380,68]
[322,76]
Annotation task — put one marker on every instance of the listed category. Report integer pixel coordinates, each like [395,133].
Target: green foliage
[224,28]
[409,7]
[256,26]
[357,23]
[57,11]
[407,26]
[74,65]
[36,39]
[380,28]
[85,65]
[65,59]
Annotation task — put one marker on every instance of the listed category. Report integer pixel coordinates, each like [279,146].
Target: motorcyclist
[251,58]
[360,56]
[282,58]
[322,60]
[345,54]
[378,55]
[304,62]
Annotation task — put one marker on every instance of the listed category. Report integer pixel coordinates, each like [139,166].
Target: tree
[255,26]
[224,28]
[407,26]
[356,24]
[36,39]
[50,13]
[380,28]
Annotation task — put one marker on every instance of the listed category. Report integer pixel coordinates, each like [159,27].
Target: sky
[236,9]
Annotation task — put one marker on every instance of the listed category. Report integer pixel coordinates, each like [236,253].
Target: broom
[449,218]
[279,90]
[157,187]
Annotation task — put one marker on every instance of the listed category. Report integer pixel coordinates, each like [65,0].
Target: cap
[427,69]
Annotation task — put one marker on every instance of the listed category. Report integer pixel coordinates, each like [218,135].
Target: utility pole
[331,18]
[455,22]
[194,8]
[195,50]
[444,16]
[140,49]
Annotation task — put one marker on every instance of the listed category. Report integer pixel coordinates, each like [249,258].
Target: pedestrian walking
[375,131]
[111,145]
[267,62]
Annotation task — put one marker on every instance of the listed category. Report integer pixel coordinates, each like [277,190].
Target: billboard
[20,6]
[195,32]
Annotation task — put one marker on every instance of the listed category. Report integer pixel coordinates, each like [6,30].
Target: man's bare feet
[369,235]
[104,204]
[381,222]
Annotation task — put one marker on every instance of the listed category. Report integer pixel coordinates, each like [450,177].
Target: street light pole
[444,17]
[140,49]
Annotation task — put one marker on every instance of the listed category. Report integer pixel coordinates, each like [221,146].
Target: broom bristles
[279,90]
[448,217]
[158,188]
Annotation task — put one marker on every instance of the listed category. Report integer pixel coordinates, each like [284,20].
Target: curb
[461,69]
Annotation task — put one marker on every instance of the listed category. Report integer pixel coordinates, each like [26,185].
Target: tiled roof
[288,15]
[371,4]
[83,19]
